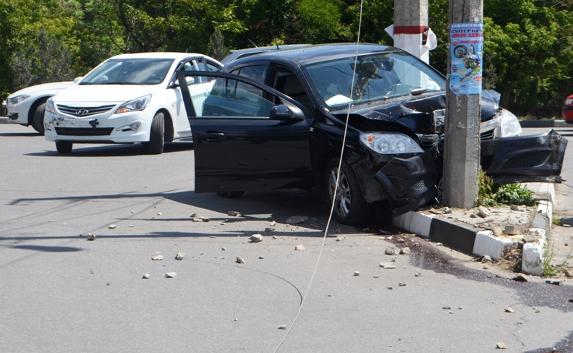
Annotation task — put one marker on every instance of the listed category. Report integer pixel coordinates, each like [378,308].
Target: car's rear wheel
[38,118]
[156,135]
[64,147]
[349,204]
[230,194]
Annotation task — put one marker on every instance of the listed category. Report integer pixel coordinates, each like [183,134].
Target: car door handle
[214,135]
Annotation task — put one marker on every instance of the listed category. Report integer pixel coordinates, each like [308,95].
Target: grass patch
[548,269]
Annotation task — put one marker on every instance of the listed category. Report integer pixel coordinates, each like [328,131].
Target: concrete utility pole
[462,137]
[410,22]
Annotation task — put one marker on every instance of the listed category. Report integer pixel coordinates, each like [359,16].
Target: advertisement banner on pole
[466,52]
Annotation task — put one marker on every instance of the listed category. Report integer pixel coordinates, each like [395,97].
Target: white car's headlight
[18,99]
[134,105]
[508,124]
[50,108]
[390,143]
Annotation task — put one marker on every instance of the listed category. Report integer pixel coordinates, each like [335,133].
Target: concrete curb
[544,123]
[483,243]
[4,120]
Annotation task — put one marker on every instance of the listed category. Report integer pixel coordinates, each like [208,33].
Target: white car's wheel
[156,135]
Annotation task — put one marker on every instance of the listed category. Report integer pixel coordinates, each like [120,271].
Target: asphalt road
[62,293]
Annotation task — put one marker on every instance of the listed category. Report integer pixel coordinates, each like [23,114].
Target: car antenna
[253,43]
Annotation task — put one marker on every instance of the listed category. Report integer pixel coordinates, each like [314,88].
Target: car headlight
[50,107]
[390,143]
[134,105]
[18,99]
[508,124]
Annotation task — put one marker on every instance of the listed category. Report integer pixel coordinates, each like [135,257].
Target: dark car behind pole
[276,121]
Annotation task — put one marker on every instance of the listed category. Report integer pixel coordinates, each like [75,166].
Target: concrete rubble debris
[200,219]
[402,284]
[498,232]
[261,257]
[520,278]
[170,274]
[514,229]
[447,307]
[111,226]
[256,238]
[405,251]
[179,256]
[282,327]
[568,272]
[446,210]
[299,247]
[296,219]
[159,213]
[387,265]
[223,249]
[273,223]
[145,276]
[553,282]
[356,273]
[486,259]
[275,237]
[340,238]
[240,260]
[509,310]
[157,257]
[91,237]
[391,251]
[234,213]
[514,208]
[500,345]
[483,212]
[417,274]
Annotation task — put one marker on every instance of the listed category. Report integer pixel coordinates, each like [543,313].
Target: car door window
[286,82]
[232,98]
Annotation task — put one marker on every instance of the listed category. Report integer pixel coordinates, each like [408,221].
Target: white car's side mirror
[78,79]
[190,80]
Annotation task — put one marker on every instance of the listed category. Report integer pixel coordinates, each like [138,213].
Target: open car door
[243,139]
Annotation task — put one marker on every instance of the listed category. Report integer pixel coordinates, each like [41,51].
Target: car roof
[241,53]
[156,55]
[316,53]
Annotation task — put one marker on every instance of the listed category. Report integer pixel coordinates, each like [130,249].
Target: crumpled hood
[102,93]
[410,111]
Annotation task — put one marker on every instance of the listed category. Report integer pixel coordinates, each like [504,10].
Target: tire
[230,194]
[64,147]
[156,135]
[38,118]
[350,206]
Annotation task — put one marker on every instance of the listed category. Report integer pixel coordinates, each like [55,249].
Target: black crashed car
[276,121]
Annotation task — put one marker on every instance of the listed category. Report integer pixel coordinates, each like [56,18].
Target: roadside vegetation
[509,194]
[528,49]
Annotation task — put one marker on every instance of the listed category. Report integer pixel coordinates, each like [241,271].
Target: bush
[510,194]
[514,194]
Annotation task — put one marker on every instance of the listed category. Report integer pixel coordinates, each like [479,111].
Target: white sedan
[128,98]
[27,106]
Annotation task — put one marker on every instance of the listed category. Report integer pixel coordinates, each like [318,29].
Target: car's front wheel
[38,118]
[64,147]
[156,135]
[349,204]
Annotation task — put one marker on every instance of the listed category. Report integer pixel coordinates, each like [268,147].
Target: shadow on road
[112,150]
[20,134]
[47,248]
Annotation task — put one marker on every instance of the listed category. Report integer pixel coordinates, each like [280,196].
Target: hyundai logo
[82,112]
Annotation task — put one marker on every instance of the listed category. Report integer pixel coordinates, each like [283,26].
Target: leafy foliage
[511,194]
[528,43]
[514,194]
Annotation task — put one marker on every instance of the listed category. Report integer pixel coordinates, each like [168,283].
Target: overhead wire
[334,195]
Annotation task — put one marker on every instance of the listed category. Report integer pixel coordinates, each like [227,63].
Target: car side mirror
[188,79]
[284,112]
[78,79]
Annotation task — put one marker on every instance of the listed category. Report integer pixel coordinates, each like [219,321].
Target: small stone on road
[256,238]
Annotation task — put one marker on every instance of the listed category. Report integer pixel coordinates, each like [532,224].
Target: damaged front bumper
[524,158]
[411,182]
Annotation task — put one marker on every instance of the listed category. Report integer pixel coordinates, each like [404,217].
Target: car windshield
[129,72]
[378,76]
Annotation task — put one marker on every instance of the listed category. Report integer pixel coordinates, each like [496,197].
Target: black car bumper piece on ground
[524,158]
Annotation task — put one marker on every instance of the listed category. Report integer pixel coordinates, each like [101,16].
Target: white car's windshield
[129,72]
[378,76]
